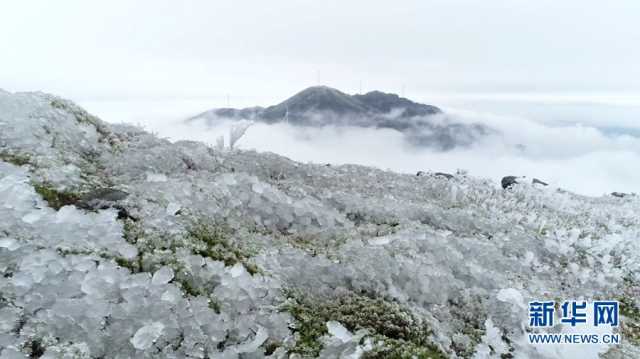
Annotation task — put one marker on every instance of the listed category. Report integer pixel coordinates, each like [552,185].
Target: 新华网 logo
[601,313]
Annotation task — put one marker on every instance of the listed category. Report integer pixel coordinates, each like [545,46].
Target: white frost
[156,177]
[511,295]
[339,331]
[147,335]
[162,276]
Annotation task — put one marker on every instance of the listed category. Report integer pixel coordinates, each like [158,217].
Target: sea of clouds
[589,146]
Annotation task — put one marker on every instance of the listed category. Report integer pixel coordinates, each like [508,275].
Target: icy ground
[117,244]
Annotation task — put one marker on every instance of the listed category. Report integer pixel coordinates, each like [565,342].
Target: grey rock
[619,194]
[537,181]
[435,174]
[101,198]
[106,194]
[443,174]
[508,181]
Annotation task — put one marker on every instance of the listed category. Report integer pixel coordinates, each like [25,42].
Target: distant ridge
[326,106]
[332,103]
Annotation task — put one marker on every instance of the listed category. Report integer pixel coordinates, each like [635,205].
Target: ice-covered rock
[511,295]
[162,276]
[213,243]
[146,336]
[339,331]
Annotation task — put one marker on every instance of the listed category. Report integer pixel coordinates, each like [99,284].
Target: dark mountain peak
[376,95]
[319,90]
[386,102]
[316,99]
[325,106]
[332,103]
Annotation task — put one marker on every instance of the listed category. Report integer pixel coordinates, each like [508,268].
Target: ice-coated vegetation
[117,244]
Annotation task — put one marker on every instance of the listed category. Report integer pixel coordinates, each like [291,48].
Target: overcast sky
[266,50]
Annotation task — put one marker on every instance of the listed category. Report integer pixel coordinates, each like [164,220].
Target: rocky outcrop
[508,181]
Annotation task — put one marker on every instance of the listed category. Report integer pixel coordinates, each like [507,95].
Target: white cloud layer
[576,157]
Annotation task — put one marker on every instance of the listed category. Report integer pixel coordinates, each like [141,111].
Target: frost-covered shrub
[16,159]
[217,246]
[389,324]
[237,131]
[56,199]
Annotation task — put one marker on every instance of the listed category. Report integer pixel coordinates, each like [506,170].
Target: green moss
[185,283]
[468,315]
[325,243]
[81,115]
[72,252]
[157,249]
[631,322]
[214,304]
[400,349]
[56,199]
[271,346]
[132,230]
[360,218]
[252,268]
[14,158]
[189,289]
[194,291]
[386,321]
[310,326]
[132,265]
[629,309]
[212,241]
[631,332]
